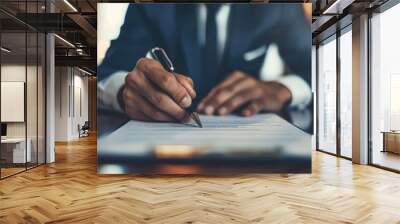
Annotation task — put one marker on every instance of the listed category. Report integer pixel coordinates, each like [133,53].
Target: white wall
[61,103]
[16,73]
[71,93]
[80,100]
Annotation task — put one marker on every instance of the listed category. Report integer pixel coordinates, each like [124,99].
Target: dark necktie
[210,52]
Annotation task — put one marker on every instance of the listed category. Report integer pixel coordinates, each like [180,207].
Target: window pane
[346,94]
[385,84]
[314,90]
[327,97]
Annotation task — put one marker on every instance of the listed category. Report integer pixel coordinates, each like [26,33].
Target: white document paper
[233,133]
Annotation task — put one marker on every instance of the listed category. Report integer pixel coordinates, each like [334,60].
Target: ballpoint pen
[160,55]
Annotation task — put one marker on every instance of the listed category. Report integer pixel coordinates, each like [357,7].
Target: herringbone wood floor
[70,191]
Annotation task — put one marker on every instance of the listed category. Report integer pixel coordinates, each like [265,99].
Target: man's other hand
[240,90]
[151,93]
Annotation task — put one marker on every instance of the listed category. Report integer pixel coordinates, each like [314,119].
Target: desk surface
[13,140]
[280,158]
[391,132]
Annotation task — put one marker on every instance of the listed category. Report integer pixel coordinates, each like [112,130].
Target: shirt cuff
[300,90]
[108,91]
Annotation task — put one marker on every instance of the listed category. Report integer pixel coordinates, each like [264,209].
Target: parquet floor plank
[70,191]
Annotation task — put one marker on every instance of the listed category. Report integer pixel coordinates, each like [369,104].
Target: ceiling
[76,21]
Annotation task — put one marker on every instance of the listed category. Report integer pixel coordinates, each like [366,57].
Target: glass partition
[15,149]
[22,77]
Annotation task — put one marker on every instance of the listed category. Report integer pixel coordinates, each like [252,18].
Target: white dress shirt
[271,70]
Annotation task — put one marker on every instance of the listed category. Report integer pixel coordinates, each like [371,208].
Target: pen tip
[196,118]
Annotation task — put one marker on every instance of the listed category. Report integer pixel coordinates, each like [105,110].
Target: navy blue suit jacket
[174,28]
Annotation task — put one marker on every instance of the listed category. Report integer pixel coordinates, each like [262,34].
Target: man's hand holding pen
[151,93]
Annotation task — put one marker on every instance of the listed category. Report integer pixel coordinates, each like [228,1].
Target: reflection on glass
[385,84]
[327,97]
[346,94]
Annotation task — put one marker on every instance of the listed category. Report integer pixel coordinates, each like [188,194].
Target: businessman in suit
[219,51]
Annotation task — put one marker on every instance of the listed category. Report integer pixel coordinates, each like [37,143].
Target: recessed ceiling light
[84,71]
[70,5]
[5,50]
[337,7]
[64,40]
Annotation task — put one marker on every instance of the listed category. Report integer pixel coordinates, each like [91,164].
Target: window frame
[333,37]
